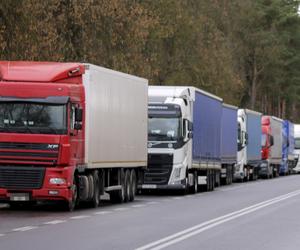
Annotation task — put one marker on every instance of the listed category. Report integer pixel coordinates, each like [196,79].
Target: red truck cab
[267,142]
[41,141]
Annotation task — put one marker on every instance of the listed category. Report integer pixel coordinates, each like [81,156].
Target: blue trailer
[249,145]
[229,133]
[288,146]
[207,120]
[184,139]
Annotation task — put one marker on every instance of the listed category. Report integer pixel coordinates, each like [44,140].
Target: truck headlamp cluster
[237,167]
[57,181]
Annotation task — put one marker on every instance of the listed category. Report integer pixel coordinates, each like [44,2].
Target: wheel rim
[196,184]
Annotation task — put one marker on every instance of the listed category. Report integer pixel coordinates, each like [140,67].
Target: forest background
[245,51]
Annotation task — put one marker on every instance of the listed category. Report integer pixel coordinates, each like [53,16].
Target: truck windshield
[297,143]
[35,118]
[164,129]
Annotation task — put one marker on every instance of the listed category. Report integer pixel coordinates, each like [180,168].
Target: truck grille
[21,177]
[159,169]
[28,153]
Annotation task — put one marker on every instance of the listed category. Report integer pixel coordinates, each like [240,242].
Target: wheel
[231,175]
[132,185]
[247,177]
[213,180]
[217,179]
[209,183]
[271,173]
[71,204]
[95,202]
[118,196]
[127,186]
[206,187]
[194,188]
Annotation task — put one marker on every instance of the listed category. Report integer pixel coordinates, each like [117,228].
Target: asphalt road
[255,215]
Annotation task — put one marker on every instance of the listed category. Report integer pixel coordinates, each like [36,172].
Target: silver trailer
[276,148]
[115,127]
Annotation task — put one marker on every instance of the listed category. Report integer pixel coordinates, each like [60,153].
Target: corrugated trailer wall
[254,136]
[207,114]
[116,119]
[276,149]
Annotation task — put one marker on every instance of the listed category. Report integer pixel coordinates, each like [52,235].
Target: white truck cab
[297,148]
[240,171]
[169,138]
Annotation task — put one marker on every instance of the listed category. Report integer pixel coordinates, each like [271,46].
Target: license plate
[147,186]
[19,197]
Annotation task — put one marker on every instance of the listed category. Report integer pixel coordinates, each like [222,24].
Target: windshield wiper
[48,129]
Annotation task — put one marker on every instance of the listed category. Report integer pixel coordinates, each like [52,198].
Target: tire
[247,176]
[231,175]
[271,173]
[95,202]
[209,184]
[127,186]
[213,180]
[206,187]
[71,204]
[118,196]
[194,188]
[132,185]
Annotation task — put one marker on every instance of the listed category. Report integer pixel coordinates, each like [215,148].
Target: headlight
[57,181]
[176,173]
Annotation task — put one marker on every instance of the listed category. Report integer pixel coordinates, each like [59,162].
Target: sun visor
[48,100]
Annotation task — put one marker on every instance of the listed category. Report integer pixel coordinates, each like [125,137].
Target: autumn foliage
[247,52]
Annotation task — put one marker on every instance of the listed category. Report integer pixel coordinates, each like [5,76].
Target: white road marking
[187,233]
[79,217]
[1,235]
[121,209]
[103,212]
[54,222]
[139,205]
[23,229]
[152,202]
[230,189]
[177,198]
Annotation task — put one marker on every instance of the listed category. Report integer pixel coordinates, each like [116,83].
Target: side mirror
[188,130]
[78,126]
[78,115]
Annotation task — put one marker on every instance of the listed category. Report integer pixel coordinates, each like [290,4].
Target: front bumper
[38,195]
[179,186]
[47,191]
[263,169]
